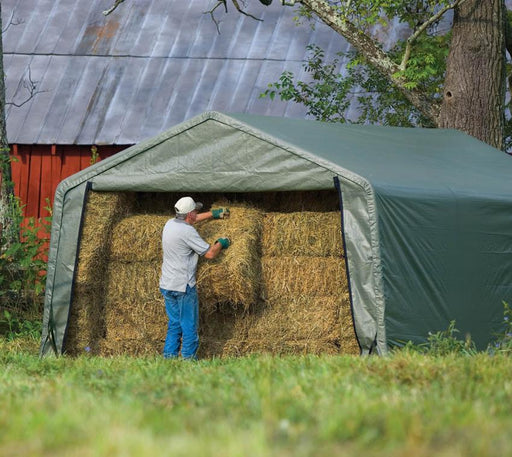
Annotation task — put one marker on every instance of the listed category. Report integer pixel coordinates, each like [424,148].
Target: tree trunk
[474,90]
[8,233]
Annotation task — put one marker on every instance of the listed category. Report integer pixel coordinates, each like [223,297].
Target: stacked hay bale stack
[307,305]
[229,286]
[86,320]
[280,287]
[134,313]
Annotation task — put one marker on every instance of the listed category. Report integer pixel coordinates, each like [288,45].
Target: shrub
[23,263]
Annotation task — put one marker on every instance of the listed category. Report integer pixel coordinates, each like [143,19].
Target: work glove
[224,242]
[221,213]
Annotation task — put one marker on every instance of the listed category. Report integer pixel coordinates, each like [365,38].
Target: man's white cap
[186,204]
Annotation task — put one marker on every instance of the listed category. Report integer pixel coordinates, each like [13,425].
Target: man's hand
[224,242]
[220,213]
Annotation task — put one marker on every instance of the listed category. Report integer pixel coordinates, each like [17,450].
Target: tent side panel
[362,249]
[61,264]
[446,257]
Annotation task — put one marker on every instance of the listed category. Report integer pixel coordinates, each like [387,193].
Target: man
[182,246]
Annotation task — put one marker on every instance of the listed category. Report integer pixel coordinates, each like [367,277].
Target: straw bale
[295,276]
[316,234]
[85,326]
[292,201]
[299,318]
[234,276]
[117,307]
[138,238]
[304,325]
[294,326]
[132,347]
[133,282]
[102,211]
[348,340]
[318,200]
[142,320]
[223,334]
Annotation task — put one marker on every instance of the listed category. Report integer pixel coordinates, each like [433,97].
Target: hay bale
[315,234]
[348,340]
[86,323]
[287,277]
[138,238]
[222,334]
[135,348]
[302,325]
[320,200]
[234,276]
[298,318]
[248,303]
[133,282]
[146,321]
[102,211]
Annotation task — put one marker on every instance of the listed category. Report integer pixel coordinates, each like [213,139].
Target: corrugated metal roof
[146,67]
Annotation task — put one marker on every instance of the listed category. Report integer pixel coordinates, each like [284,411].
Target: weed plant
[443,343]
[503,339]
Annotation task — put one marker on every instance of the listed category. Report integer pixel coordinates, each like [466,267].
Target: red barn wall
[38,169]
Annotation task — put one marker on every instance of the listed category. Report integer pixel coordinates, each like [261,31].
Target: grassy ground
[403,405]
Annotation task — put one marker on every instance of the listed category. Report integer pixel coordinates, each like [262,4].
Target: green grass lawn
[406,404]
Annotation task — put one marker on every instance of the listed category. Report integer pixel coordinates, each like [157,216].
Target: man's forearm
[214,251]
[204,216]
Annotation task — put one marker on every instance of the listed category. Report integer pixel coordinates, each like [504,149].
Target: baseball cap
[186,204]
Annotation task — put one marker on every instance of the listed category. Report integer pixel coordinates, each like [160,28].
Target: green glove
[221,213]
[224,242]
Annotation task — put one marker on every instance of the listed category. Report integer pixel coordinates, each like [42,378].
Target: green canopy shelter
[427,213]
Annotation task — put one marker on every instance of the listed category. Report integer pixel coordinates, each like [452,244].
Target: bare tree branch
[113,7]
[31,87]
[237,6]
[210,12]
[12,21]
[224,3]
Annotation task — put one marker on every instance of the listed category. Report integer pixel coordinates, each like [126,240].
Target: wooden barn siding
[38,169]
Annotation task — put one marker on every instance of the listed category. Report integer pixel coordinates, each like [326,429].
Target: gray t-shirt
[182,247]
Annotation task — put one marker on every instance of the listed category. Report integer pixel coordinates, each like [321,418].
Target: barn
[76,79]
[426,213]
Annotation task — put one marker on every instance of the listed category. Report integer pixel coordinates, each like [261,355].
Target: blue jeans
[183,312]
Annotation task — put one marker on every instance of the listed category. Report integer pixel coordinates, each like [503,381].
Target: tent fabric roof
[427,213]
[149,65]
[397,157]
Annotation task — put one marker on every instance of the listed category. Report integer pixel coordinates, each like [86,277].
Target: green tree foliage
[328,93]
[421,58]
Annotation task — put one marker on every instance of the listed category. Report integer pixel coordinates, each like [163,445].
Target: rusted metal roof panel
[146,67]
